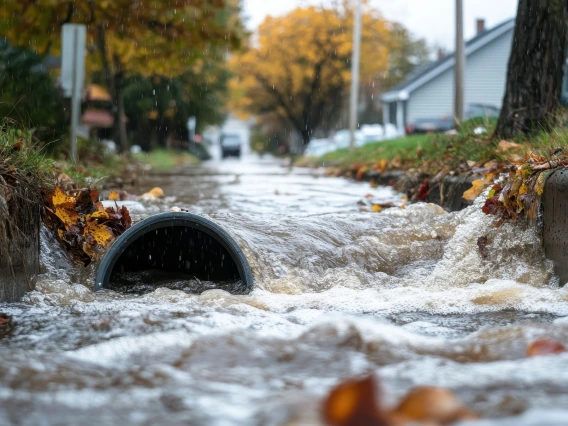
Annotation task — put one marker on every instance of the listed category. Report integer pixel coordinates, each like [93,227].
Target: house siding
[485,79]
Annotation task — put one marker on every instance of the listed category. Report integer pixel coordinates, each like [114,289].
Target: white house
[430,92]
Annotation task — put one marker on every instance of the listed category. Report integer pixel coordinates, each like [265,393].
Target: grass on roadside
[21,161]
[434,152]
[162,159]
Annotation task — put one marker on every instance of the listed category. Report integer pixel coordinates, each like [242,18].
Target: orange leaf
[354,403]
[60,197]
[545,347]
[431,404]
[477,187]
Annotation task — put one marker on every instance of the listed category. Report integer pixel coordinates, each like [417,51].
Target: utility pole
[355,60]
[460,65]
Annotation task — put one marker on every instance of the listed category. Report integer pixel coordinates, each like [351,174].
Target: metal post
[400,117]
[75,99]
[355,59]
[460,65]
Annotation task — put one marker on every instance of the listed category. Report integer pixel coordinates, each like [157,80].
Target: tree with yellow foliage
[128,37]
[299,67]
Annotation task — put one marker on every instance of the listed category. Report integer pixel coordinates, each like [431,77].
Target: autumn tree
[159,106]
[128,37]
[299,67]
[536,67]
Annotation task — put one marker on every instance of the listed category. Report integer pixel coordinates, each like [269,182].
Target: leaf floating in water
[358,403]
[433,406]
[545,347]
[354,403]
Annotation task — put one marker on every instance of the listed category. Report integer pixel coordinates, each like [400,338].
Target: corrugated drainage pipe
[183,244]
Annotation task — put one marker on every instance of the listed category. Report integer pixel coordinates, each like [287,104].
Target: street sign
[72,58]
[73,74]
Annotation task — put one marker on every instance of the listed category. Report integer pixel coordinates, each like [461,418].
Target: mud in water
[406,293]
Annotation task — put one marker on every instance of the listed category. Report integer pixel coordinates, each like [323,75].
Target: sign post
[73,74]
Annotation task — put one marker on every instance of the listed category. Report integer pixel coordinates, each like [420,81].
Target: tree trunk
[536,68]
[120,116]
[305,137]
[120,119]
[113,74]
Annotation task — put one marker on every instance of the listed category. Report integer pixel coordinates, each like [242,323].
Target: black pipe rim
[164,220]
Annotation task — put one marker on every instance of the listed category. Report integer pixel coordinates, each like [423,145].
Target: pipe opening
[179,254]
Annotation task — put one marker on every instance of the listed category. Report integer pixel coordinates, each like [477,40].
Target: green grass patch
[162,159]
[23,162]
[432,153]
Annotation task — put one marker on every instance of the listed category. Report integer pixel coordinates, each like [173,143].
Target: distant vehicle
[230,145]
[445,123]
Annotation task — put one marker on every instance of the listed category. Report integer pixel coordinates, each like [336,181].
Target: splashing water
[406,293]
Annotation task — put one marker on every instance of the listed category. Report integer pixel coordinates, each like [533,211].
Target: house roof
[423,75]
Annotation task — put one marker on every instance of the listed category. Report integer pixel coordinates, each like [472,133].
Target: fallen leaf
[423,191]
[361,173]
[506,146]
[156,192]
[113,196]
[545,347]
[82,223]
[355,403]
[433,405]
[477,187]
[376,208]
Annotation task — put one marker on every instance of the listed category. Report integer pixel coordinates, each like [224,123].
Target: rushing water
[404,293]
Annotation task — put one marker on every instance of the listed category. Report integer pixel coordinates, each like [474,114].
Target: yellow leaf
[100,232]
[377,208]
[113,196]
[156,192]
[539,185]
[477,187]
[67,214]
[60,197]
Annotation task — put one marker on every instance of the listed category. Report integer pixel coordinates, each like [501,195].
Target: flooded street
[339,292]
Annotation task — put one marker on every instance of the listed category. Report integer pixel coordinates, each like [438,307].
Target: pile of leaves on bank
[520,192]
[83,224]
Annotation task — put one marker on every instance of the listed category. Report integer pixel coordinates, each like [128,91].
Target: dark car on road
[230,145]
[445,123]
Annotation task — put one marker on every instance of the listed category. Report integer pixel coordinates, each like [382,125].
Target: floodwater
[404,293]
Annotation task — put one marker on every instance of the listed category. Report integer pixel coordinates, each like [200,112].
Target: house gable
[402,91]
[485,79]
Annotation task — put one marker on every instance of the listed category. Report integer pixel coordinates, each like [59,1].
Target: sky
[430,19]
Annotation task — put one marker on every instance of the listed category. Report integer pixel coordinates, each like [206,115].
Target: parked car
[230,145]
[445,123]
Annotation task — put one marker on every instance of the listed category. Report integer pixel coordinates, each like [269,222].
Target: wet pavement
[339,292]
